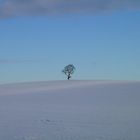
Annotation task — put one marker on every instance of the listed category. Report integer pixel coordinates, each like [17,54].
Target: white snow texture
[70,110]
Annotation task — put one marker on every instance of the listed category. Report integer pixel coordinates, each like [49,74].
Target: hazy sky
[39,37]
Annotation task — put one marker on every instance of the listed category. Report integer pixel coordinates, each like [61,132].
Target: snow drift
[70,110]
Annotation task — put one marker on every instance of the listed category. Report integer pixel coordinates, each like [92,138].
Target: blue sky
[102,45]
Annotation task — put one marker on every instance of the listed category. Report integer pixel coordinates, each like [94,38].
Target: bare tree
[68,70]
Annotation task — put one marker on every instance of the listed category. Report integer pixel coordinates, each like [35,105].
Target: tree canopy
[69,70]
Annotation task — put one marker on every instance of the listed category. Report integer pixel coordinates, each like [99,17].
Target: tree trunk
[69,76]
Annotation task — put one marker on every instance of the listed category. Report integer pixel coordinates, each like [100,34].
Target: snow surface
[70,110]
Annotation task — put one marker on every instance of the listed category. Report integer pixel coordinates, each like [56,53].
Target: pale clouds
[13,8]
[8,61]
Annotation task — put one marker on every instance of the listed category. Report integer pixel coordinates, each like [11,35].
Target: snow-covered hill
[70,110]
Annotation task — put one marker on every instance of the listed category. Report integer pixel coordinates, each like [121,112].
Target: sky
[38,38]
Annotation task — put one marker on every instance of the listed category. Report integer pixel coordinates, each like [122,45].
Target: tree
[68,70]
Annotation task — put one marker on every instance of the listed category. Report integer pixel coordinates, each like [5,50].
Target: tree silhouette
[68,70]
